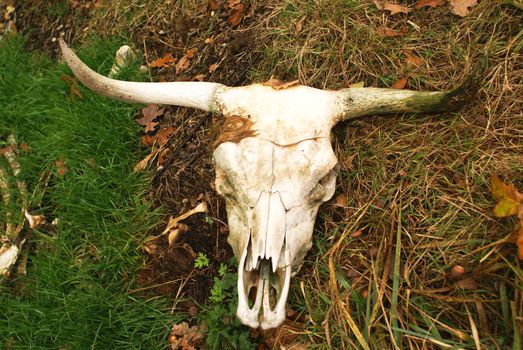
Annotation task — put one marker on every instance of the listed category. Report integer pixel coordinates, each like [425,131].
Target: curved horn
[201,95]
[357,102]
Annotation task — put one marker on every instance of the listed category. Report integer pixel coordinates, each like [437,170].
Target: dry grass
[416,186]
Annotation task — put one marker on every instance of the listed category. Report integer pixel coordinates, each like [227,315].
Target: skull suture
[274,165]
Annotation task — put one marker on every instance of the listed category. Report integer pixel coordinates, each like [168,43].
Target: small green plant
[224,330]
[201,261]
[208,220]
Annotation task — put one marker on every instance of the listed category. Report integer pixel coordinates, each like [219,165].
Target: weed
[201,261]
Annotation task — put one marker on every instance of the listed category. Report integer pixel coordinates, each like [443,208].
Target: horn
[201,95]
[358,102]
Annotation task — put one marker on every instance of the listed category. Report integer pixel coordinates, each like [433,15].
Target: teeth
[261,279]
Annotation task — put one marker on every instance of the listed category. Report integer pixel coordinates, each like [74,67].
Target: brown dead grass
[416,186]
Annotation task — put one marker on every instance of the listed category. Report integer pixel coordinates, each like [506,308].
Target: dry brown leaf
[232,3]
[391,33]
[213,67]
[34,220]
[149,127]
[507,196]
[214,4]
[378,3]
[431,3]
[62,169]
[237,15]
[163,135]
[299,26]
[199,77]
[183,337]
[164,61]
[184,62]
[468,283]
[148,140]
[413,60]
[400,84]
[141,165]
[279,85]
[461,7]
[395,8]
[149,113]
[25,147]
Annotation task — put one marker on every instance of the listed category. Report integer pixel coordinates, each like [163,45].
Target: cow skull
[274,165]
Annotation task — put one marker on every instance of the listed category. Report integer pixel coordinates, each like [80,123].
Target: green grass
[74,295]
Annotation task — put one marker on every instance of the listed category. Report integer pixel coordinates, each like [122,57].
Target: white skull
[274,164]
[273,182]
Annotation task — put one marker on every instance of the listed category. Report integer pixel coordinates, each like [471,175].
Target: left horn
[358,102]
[201,95]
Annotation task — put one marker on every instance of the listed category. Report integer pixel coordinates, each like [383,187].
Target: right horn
[358,102]
[201,95]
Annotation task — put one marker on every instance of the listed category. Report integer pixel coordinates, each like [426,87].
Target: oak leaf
[461,7]
[165,61]
[431,3]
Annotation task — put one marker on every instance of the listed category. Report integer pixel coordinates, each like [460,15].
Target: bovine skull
[274,165]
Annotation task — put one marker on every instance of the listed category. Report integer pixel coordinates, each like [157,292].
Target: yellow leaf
[507,196]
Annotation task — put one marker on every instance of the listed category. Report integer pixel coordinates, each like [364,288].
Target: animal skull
[274,165]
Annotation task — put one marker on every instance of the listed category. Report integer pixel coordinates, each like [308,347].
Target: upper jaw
[272,289]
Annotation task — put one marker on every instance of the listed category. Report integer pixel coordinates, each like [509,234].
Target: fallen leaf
[431,3]
[165,61]
[507,196]
[213,67]
[200,208]
[214,4]
[148,140]
[378,3]
[150,113]
[279,85]
[395,8]
[62,169]
[8,12]
[184,62]
[163,135]
[34,220]
[356,234]
[183,337]
[299,26]
[25,147]
[468,283]
[237,15]
[199,77]
[150,126]
[461,7]
[141,165]
[412,60]
[400,84]
[232,3]
[391,33]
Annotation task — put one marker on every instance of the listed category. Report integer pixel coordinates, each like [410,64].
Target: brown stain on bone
[234,129]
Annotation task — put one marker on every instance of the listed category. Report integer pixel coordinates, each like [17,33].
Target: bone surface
[274,165]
